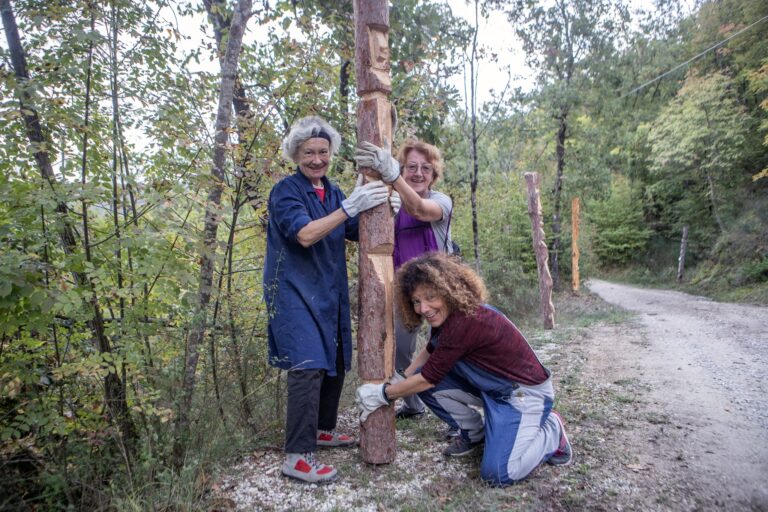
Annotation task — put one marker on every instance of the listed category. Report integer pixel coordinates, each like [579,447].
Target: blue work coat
[306,289]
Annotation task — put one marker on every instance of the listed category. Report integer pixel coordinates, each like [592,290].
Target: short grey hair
[308,128]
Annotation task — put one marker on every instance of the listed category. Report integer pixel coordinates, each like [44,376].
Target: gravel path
[705,364]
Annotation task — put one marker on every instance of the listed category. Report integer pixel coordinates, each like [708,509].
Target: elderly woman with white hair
[307,294]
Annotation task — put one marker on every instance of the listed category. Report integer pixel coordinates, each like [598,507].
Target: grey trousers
[406,342]
[313,403]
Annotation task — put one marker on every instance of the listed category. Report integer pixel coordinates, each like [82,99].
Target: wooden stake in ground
[375,333]
[575,207]
[681,258]
[540,249]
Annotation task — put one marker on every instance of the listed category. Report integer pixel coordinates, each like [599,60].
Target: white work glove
[365,197]
[395,202]
[370,397]
[379,159]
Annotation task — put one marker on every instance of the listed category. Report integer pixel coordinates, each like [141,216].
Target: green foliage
[758,80]
[682,152]
[699,144]
[618,232]
[508,264]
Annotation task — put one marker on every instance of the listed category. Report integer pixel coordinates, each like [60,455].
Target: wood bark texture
[211,224]
[575,209]
[546,307]
[375,333]
[681,258]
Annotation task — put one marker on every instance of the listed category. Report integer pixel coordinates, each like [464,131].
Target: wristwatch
[384,391]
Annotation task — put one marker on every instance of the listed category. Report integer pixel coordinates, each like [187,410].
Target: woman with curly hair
[476,358]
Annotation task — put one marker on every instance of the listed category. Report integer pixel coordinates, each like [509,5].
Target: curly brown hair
[458,285]
[430,152]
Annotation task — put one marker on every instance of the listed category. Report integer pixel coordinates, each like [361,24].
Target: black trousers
[313,404]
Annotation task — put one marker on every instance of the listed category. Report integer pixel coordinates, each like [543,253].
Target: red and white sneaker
[332,439]
[564,454]
[305,467]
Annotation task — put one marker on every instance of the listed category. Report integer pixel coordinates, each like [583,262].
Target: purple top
[413,237]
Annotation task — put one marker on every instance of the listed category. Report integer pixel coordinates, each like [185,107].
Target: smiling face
[314,158]
[418,172]
[430,305]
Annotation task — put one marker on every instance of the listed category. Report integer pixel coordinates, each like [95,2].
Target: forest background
[136,162]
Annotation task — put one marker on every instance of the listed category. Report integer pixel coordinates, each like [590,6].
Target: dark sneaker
[564,454]
[332,439]
[403,414]
[460,447]
[305,467]
[451,433]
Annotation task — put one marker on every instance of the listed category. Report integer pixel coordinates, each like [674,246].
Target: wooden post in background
[375,333]
[546,307]
[575,207]
[681,258]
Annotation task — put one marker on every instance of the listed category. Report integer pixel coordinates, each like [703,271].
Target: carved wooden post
[375,334]
[540,248]
[681,258]
[575,244]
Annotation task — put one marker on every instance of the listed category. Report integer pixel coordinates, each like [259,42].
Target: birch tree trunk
[375,334]
[211,224]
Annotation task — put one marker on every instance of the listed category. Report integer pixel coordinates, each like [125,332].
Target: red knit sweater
[486,339]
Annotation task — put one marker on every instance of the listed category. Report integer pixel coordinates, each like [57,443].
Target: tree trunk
[375,334]
[546,307]
[557,192]
[211,225]
[115,156]
[243,112]
[473,149]
[249,181]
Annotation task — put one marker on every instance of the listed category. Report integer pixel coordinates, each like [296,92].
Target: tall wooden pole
[375,334]
[540,249]
[575,244]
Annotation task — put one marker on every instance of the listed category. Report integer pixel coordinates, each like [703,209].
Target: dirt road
[704,367]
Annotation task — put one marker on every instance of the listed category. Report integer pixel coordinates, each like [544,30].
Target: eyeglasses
[413,168]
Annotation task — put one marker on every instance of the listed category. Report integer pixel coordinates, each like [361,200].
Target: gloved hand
[365,197]
[380,159]
[370,397]
[395,202]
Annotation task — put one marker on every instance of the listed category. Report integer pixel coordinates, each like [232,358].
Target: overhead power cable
[714,47]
